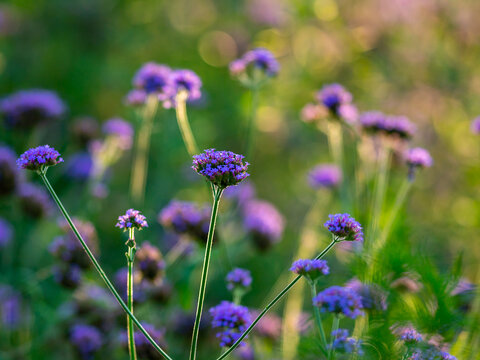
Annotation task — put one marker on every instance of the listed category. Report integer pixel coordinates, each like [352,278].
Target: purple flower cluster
[154,78]
[375,122]
[67,275]
[186,218]
[475,126]
[39,158]
[338,101]
[86,339]
[10,308]
[339,300]
[187,80]
[6,232]
[131,220]
[150,262]
[418,158]
[344,227]
[263,221]
[431,354]
[222,168]
[34,200]
[311,269]
[231,319]
[121,130]
[144,349]
[28,108]
[79,166]
[269,327]
[258,58]
[325,176]
[136,97]
[411,336]
[242,193]
[9,176]
[238,279]
[344,344]
[372,296]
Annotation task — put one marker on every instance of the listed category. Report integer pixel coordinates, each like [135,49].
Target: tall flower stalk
[39,159]
[184,124]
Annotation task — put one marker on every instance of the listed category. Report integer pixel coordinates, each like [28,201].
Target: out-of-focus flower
[79,166]
[222,168]
[407,283]
[150,262]
[410,336]
[269,327]
[344,227]
[120,130]
[6,232]
[231,320]
[10,308]
[333,96]
[375,122]
[372,122]
[344,344]
[144,349]
[263,221]
[268,12]
[28,108]
[188,81]
[325,176]
[34,201]
[39,158]
[161,293]
[131,220]
[418,158]
[244,353]
[136,97]
[97,304]
[86,339]
[85,129]
[9,176]
[475,126]
[186,218]
[464,294]
[339,300]
[239,279]
[260,59]
[313,112]
[311,269]
[242,193]
[153,78]
[372,296]
[67,275]
[139,293]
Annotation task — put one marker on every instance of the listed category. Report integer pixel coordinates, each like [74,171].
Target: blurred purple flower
[372,296]
[231,319]
[313,112]
[154,78]
[268,12]
[238,279]
[9,176]
[344,344]
[344,227]
[6,232]
[131,220]
[39,158]
[139,293]
[418,157]
[410,336]
[399,126]
[475,126]
[67,275]
[34,201]
[464,294]
[136,97]
[269,327]
[79,166]
[333,96]
[120,130]
[150,262]
[144,349]
[86,339]
[339,300]
[10,308]
[311,269]
[188,81]
[325,175]
[258,58]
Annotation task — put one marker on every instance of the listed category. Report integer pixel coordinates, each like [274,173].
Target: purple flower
[475,126]
[222,168]
[86,339]
[410,336]
[263,221]
[154,78]
[79,166]
[325,175]
[344,227]
[136,97]
[344,344]
[238,279]
[339,300]
[313,112]
[464,294]
[150,262]
[121,279]
[67,275]
[372,121]
[39,158]
[131,220]
[244,353]
[242,193]
[399,126]
[28,108]
[144,349]
[231,319]
[186,218]
[6,232]
[188,81]
[333,96]
[10,308]
[269,327]
[348,112]
[34,201]
[311,269]
[418,157]
[372,296]
[120,130]
[258,58]
[9,176]
[85,129]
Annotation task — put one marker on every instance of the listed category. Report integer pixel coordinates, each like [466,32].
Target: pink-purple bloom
[231,320]
[131,220]
[339,300]
[311,269]
[67,275]
[222,168]
[411,336]
[188,81]
[259,58]
[121,130]
[238,279]
[375,122]
[344,227]
[136,97]
[39,158]
[418,157]
[154,78]
[145,350]
[325,176]
[475,126]
[372,296]
[150,262]
[333,96]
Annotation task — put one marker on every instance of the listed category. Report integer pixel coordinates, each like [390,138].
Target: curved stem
[335,326]
[131,334]
[99,268]
[183,123]
[217,194]
[318,320]
[271,304]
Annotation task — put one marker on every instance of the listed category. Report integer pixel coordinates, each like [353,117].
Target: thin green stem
[184,124]
[251,125]
[131,336]
[335,326]
[318,320]
[217,194]
[99,268]
[271,304]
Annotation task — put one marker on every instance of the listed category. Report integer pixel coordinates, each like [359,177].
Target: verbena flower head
[399,126]
[34,200]
[372,296]
[475,126]
[410,336]
[333,96]
[311,269]
[231,320]
[153,78]
[325,176]
[121,130]
[238,279]
[9,176]
[372,122]
[186,218]
[344,227]
[136,97]
[264,223]
[222,168]
[418,157]
[28,108]
[79,166]
[6,232]
[150,262]
[188,81]
[339,300]
[39,158]
[86,339]
[344,344]
[131,220]
[68,276]
[464,295]
[259,58]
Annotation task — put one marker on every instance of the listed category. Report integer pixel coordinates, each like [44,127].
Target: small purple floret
[131,220]
[344,227]
[39,158]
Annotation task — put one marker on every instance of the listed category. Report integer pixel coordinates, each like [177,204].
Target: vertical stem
[335,325]
[138,176]
[217,194]
[131,332]
[335,143]
[318,320]
[183,123]
[271,304]
[99,268]
[251,125]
